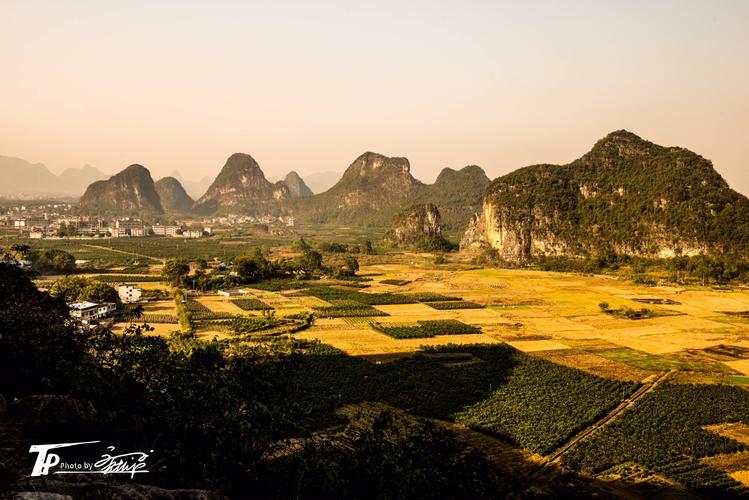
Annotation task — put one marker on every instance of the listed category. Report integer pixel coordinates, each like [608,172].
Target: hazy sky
[311,85]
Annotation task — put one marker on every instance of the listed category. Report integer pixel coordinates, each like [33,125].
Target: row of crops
[454,304]
[373,299]
[426,329]
[665,433]
[345,309]
[159,318]
[252,304]
[522,399]
[268,323]
[123,278]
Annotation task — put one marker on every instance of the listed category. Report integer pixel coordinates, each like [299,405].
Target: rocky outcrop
[173,196]
[131,190]
[296,185]
[241,186]
[371,190]
[626,196]
[417,227]
[83,487]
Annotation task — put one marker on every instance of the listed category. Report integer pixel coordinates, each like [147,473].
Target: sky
[309,86]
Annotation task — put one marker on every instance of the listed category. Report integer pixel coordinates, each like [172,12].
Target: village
[54,222]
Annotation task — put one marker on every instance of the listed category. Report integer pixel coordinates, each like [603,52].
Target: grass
[641,359]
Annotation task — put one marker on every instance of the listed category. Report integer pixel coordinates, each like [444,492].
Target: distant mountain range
[625,196]
[20,177]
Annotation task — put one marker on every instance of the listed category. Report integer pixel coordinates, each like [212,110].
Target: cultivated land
[550,315]
[575,384]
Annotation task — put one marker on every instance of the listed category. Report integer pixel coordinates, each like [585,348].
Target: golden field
[548,314]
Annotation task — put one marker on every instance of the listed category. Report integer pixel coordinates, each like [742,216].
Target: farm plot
[346,310]
[591,363]
[219,304]
[373,299]
[251,304]
[426,329]
[453,304]
[665,432]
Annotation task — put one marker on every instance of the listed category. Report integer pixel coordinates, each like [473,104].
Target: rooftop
[82,305]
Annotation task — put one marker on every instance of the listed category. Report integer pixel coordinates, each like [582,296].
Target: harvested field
[217,303]
[554,315]
[739,365]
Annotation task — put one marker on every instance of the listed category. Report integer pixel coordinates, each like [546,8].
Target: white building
[88,312]
[159,230]
[192,233]
[129,293]
[232,292]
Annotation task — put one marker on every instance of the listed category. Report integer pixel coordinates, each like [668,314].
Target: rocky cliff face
[296,185]
[131,190]
[626,196]
[418,226]
[458,194]
[241,186]
[173,196]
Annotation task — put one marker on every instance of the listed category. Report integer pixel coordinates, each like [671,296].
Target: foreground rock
[79,487]
[418,227]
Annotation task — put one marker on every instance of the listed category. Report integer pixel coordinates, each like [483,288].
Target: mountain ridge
[626,195]
[130,190]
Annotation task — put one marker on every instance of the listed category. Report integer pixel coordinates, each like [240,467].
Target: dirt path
[641,392]
[123,251]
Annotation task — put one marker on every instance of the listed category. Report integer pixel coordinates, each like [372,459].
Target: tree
[77,289]
[310,261]
[175,271]
[302,246]
[53,261]
[39,351]
[349,267]
[255,267]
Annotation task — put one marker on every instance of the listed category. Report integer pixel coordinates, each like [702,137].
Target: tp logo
[46,460]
